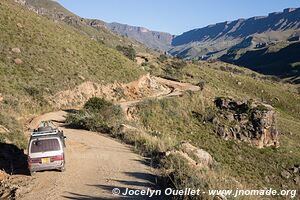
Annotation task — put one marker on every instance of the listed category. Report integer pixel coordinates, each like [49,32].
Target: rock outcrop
[247,121]
[194,156]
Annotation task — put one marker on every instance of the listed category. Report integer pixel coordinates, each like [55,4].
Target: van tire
[32,173]
[62,169]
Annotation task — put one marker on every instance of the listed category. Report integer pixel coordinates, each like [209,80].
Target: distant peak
[143,30]
[287,10]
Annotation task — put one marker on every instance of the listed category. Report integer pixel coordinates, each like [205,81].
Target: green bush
[97,104]
[162,58]
[97,115]
[129,52]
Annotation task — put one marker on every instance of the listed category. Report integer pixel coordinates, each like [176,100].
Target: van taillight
[34,160]
[57,158]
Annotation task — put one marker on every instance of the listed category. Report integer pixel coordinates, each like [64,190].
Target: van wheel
[62,169]
[32,173]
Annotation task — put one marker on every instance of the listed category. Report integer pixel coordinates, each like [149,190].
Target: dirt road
[174,89]
[95,165]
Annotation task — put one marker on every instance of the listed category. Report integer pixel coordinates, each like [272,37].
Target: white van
[46,151]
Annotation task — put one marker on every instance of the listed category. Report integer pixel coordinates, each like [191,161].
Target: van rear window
[44,145]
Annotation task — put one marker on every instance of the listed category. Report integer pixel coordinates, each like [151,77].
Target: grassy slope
[255,168]
[54,57]
[100,34]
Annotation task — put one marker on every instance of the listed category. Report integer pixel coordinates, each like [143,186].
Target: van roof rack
[44,133]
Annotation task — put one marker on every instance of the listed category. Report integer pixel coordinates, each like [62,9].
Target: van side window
[44,145]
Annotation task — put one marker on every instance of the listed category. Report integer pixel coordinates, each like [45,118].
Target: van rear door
[45,150]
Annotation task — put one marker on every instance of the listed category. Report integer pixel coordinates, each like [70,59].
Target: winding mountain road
[95,165]
[174,89]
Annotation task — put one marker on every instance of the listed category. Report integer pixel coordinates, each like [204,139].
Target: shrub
[96,104]
[98,115]
[178,64]
[201,84]
[162,58]
[129,52]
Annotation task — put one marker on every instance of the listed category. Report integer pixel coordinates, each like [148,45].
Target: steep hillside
[95,29]
[39,58]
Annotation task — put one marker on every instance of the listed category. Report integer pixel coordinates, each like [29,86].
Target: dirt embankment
[124,94]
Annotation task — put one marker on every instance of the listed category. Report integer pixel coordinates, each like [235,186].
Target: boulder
[263,120]
[194,156]
[201,156]
[248,121]
[81,77]
[19,25]
[285,174]
[16,50]
[18,61]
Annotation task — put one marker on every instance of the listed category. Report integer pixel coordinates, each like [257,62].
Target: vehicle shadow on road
[13,160]
[142,181]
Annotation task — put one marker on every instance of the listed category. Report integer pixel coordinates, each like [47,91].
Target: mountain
[152,39]
[215,40]
[242,28]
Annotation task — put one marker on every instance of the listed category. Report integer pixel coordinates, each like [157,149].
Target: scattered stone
[285,174]
[1,97]
[230,117]
[267,179]
[18,61]
[297,180]
[16,50]
[239,83]
[69,51]
[40,70]
[81,77]
[19,25]
[295,169]
[215,120]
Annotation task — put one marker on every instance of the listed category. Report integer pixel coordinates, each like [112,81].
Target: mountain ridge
[237,24]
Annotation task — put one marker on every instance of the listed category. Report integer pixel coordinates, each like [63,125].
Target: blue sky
[174,16]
